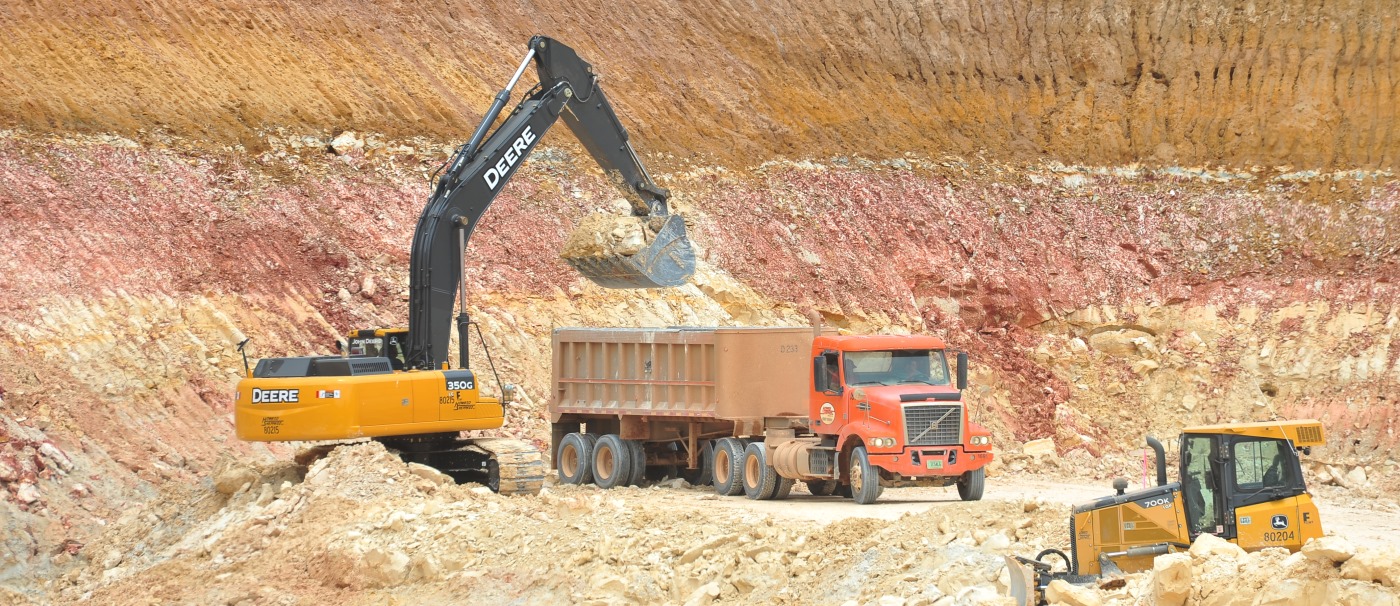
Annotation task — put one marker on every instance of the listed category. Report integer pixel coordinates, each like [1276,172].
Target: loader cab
[1229,476]
[379,343]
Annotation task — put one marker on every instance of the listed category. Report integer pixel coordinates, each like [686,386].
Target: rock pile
[608,235]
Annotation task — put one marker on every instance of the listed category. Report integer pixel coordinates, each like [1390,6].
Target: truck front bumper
[927,461]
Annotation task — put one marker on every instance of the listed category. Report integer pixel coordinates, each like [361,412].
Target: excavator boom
[568,89]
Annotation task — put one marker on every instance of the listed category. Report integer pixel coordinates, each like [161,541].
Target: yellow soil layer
[1177,81]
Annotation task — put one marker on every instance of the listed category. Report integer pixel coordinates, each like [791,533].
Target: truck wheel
[784,488]
[575,458]
[705,474]
[639,462]
[729,467]
[612,462]
[760,479]
[865,478]
[822,488]
[970,484]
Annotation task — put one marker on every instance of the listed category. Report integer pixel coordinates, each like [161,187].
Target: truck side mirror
[962,370]
[819,373]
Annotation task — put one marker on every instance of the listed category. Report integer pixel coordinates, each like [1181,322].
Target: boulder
[704,594]
[1118,343]
[347,142]
[1374,565]
[1290,592]
[1171,579]
[1062,592]
[1356,478]
[1329,549]
[1039,448]
[604,235]
[429,473]
[1342,592]
[233,478]
[1209,545]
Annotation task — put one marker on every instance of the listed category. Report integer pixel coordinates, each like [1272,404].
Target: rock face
[1080,83]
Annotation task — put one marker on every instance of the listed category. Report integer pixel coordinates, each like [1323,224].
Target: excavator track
[519,465]
[504,465]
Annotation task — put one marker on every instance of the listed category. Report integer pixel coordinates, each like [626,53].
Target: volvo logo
[1279,522]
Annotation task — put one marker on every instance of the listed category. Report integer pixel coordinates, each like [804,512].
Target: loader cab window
[1265,470]
[1200,476]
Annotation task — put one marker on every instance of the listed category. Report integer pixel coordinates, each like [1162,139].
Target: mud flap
[667,261]
[1022,582]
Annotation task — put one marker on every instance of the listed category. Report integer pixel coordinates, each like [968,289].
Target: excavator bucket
[666,261]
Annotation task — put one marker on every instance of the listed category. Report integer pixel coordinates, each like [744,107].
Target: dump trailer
[754,410]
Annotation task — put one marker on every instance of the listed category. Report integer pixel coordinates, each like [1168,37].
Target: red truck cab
[895,398]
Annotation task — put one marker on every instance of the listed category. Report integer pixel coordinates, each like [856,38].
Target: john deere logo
[1279,522]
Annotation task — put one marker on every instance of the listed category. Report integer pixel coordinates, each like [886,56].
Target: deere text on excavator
[395,385]
[1242,482]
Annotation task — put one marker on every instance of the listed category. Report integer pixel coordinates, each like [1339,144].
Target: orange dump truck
[753,410]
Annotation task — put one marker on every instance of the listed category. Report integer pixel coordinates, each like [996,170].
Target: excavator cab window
[1200,476]
[394,352]
[372,347]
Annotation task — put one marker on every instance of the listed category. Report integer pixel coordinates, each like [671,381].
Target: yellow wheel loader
[395,385]
[1242,482]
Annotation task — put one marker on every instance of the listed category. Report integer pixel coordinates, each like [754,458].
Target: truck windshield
[896,367]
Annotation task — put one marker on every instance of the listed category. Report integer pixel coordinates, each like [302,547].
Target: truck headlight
[981,440]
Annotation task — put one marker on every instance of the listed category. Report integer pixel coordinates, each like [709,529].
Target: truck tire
[729,467]
[865,478]
[639,462]
[612,462]
[822,488]
[784,488]
[705,474]
[575,458]
[971,483]
[760,479]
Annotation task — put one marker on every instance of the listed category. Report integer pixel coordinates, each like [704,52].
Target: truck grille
[918,419]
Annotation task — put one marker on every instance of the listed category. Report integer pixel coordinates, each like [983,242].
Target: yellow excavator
[395,385]
[1242,482]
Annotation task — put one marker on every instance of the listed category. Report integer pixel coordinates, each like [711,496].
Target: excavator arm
[478,171]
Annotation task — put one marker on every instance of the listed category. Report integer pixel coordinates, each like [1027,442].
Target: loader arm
[479,170]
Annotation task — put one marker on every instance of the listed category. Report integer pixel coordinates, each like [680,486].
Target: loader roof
[1302,432]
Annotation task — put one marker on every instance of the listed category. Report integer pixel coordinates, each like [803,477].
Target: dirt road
[1361,526]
